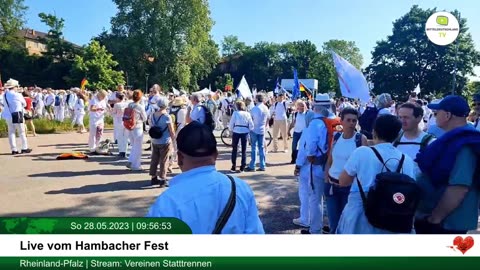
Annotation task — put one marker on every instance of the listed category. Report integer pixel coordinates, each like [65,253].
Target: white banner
[236,245]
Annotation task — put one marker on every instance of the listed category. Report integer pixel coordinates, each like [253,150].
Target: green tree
[57,48]
[231,46]
[167,39]
[12,14]
[407,58]
[98,66]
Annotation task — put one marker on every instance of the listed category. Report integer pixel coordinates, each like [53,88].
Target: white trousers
[93,137]
[59,113]
[12,140]
[315,196]
[121,135]
[78,118]
[39,110]
[136,139]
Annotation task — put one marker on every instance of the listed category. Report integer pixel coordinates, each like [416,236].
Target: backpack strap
[358,139]
[398,139]
[336,136]
[227,211]
[426,139]
[377,154]
[400,165]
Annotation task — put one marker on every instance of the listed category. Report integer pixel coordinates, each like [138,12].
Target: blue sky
[364,22]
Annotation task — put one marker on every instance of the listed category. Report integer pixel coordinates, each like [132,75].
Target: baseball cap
[456,105]
[196,140]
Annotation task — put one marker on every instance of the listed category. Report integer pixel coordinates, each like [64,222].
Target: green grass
[44,126]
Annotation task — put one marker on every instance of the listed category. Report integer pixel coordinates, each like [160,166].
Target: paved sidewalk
[36,184]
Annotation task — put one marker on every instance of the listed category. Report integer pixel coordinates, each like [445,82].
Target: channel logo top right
[442,28]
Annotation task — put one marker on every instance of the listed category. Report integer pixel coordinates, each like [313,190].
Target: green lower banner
[228,263]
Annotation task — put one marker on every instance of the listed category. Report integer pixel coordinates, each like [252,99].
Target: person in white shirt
[197,112]
[227,108]
[121,133]
[241,124]
[49,103]
[98,107]
[363,165]
[383,103]
[136,134]
[39,103]
[343,145]
[79,112]
[13,103]
[60,106]
[299,123]
[279,113]
[260,115]
[412,138]
[2,93]
[199,196]
[476,105]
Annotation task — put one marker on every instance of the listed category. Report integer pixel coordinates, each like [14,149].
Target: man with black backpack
[201,113]
[412,139]
[226,107]
[385,195]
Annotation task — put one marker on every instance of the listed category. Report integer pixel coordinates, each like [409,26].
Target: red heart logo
[463,244]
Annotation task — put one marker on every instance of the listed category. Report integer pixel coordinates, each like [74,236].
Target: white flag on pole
[244,89]
[175,91]
[352,82]
[417,89]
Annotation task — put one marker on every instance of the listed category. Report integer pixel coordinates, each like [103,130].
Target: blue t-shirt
[465,216]
[161,122]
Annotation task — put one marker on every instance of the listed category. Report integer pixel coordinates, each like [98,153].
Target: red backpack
[129,118]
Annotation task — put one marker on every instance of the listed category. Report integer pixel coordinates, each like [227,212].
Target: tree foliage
[12,14]
[168,39]
[57,48]
[407,58]
[98,66]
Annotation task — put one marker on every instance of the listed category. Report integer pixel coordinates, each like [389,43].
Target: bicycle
[226,137]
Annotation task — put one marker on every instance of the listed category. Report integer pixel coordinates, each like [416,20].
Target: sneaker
[129,165]
[326,230]
[233,170]
[26,151]
[298,222]
[285,151]
[15,153]
[305,232]
[154,181]
[148,149]
[262,169]
[162,183]
[248,169]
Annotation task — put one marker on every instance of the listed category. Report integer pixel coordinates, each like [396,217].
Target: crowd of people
[379,167]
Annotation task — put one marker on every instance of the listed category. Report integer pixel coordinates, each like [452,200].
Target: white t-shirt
[365,165]
[50,100]
[98,116]
[341,152]
[411,147]
[279,110]
[300,123]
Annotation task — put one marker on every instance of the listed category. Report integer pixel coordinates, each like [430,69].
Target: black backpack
[392,199]
[208,118]
[366,121]
[156,132]
[229,109]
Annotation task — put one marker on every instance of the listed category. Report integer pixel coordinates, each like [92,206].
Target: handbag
[17,117]
[227,211]
[154,131]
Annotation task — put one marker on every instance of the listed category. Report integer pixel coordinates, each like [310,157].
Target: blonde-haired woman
[136,134]
[241,124]
[97,108]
